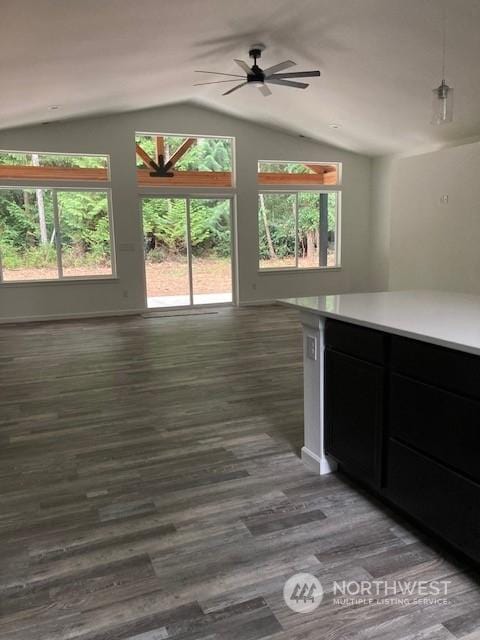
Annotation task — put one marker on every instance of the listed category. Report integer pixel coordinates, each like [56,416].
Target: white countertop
[448,319]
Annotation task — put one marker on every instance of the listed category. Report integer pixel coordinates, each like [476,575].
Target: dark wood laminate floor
[150,488]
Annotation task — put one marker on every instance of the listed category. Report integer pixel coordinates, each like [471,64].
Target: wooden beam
[291,178]
[330,178]
[20,172]
[181,151]
[160,147]
[186,179]
[322,168]
[143,155]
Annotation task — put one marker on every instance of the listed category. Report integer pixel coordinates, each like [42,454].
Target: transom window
[180,161]
[20,165]
[309,174]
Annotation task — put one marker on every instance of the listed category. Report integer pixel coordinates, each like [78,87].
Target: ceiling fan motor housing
[257,74]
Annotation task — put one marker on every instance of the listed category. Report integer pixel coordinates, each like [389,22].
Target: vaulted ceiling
[379,61]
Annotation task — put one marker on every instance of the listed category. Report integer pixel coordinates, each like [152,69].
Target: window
[180,161]
[298,230]
[54,232]
[50,166]
[298,225]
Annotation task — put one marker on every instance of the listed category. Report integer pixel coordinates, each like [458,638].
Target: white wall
[382,173]
[115,135]
[435,245]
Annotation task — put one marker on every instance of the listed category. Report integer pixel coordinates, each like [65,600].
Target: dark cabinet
[444,501]
[353,417]
[403,417]
[441,424]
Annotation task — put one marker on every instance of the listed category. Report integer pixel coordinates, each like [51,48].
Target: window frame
[55,189]
[56,185]
[297,189]
[264,189]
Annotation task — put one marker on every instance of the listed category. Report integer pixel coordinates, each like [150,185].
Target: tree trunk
[311,244]
[41,207]
[323,236]
[26,203]
[263,211]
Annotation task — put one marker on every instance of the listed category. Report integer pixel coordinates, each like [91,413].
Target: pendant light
[442,103]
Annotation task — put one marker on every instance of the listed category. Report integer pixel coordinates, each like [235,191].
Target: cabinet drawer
[441,367]
[353,414]
[441,499]
[360,342]
[439,423]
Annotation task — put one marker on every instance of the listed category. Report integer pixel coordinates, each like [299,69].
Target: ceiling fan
[262,77]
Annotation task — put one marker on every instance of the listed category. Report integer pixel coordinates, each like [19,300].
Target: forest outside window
[50,234]
[298,229]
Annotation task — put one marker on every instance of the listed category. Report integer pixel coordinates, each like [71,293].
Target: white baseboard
[320,466]
[255,303]
[72,316]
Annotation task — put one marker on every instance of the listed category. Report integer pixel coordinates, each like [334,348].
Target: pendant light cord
[444,37]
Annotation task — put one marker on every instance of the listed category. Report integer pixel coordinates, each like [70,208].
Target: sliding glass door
[188,250]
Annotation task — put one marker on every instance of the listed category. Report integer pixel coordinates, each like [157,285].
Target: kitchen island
[392,395]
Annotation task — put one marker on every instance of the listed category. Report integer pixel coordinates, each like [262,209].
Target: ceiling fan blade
[265,90]
[199,84]
[218,73]
[297,74]
[288,83]
[242,84]
[244,66]
[279,67]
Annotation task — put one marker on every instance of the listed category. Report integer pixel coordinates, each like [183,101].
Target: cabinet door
[354,414]
[441,499]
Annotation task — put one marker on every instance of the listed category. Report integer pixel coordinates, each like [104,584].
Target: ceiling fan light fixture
[442,104]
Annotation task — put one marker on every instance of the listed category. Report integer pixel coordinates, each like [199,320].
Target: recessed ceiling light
[54,107]
[335,125]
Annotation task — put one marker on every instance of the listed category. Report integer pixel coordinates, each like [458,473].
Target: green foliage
[283,167]
[209,226]
[54,160]
[280,216]
[84,219]
[207,154]
[84,225]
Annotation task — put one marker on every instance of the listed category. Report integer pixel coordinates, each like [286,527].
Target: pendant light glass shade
[442,104]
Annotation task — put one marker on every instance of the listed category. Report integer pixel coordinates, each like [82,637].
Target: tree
[41,206]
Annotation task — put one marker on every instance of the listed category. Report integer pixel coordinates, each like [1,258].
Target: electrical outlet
[311,347]
[125,293]
[444,199]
